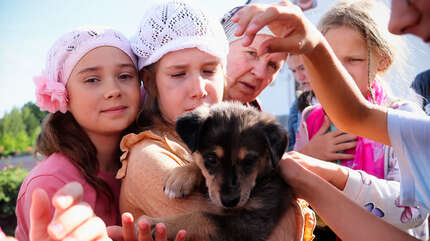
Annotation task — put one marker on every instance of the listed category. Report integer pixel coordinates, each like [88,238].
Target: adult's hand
[325,145]
[295,33]
[128,231]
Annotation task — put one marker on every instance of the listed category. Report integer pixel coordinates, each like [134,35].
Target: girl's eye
[273,65]
[91,80]
[177,75]
[355,60]
[125,76]
[209,71]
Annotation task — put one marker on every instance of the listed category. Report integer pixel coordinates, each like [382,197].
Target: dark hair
[61,133]
[150,109]
[304,100]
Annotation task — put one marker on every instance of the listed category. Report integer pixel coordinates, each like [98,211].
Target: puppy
[236,152]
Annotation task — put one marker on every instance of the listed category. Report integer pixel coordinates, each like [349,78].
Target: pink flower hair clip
[50,95]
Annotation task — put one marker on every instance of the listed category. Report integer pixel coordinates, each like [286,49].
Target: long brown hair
[149,109]
[62,134]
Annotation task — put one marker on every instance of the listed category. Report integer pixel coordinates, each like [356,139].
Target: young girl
[366,50]
[91,87]
[182,53]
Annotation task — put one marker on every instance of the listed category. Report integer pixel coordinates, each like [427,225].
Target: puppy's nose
[229,201]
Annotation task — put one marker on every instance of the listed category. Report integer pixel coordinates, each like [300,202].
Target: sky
[28,28]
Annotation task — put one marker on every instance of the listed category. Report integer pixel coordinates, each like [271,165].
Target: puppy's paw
[182,180]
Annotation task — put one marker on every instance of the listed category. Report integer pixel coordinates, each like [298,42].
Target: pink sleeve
[50,184]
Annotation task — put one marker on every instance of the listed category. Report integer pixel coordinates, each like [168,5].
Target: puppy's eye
[211,160]
[248,163]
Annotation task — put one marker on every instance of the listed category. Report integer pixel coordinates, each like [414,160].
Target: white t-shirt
[410,138]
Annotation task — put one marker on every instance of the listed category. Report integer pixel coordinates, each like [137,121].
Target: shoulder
[51,174]
[406,105]
[146,152]
[312,111]
[424,75]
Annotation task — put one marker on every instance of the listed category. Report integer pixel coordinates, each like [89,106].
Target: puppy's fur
[236,153]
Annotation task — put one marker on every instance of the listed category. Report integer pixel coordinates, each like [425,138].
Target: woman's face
[103,91]
[351,49]
[248,74]
[187,79]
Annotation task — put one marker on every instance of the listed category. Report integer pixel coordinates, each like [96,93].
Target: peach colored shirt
[150,155]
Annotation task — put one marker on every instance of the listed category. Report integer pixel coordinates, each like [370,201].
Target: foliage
[19,129]
[10,181]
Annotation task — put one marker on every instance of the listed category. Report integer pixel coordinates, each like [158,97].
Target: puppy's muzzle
[230,200]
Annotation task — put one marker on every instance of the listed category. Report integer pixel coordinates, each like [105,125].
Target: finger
[68,220]
[324,128]
[345,137]
[345,146]
[129,230]
[144,229]
[243,17]
[40,215]
[258,22]
[68,195]
[336,133]
[115,233]
[340,156]
[161,233]
[181,236]
[93,229]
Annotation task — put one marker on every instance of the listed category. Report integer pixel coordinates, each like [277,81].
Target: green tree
[30,120]
[36,111]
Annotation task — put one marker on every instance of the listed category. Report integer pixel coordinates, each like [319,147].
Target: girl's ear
[383,63]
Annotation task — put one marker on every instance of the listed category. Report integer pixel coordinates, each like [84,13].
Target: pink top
[368,154]
[53,173]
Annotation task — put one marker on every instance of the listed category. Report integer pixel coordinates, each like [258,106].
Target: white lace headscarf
[174,25]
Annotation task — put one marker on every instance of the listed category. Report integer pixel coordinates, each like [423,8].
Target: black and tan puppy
[236,152]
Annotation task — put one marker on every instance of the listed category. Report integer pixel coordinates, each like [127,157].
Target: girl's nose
[113,90]
[198,87]
[403,16]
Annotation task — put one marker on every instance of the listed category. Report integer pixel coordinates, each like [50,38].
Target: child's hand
[128,232]
[73,219]
[299,170]
[295,33]
[326,145]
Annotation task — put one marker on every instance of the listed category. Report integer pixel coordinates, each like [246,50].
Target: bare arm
[333,86]
[341,98]
[329,202]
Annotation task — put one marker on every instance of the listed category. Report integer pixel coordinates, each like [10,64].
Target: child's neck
[107,151]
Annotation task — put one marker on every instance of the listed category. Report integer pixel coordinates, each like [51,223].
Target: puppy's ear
[189,125]
[277,138]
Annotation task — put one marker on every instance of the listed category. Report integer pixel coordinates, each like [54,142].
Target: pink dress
[52,174]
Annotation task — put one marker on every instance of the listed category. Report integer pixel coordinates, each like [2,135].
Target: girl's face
[104,91]
[351,49]
[187,79]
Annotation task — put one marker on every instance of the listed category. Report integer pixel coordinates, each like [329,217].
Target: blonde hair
[370,18]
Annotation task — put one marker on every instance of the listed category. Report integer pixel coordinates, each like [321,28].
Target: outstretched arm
[337,210]
[333,86]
